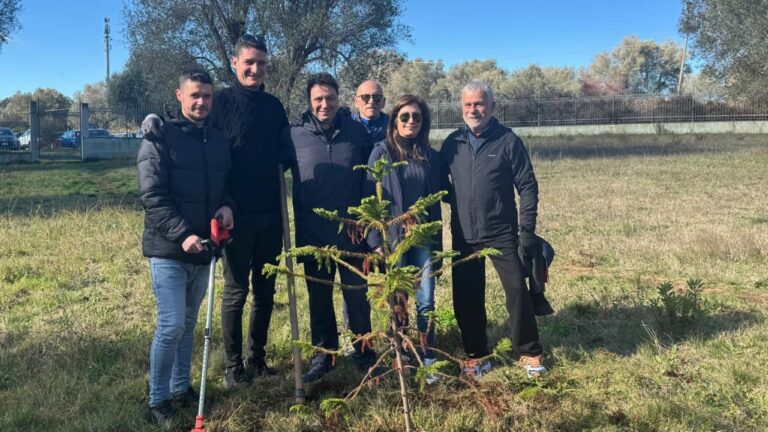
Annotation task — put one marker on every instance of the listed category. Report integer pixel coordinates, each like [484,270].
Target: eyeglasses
[377,97]
[404,117]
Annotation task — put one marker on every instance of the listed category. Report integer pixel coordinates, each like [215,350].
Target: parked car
[8,140]
[71,138]
[25,139]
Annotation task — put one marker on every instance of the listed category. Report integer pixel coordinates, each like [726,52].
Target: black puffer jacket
[482,186]
[182,182]
[252,121]
[393,193]
[323,177]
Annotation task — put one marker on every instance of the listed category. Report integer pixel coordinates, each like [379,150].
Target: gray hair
[478,85]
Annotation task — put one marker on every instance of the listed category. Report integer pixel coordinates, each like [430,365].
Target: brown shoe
[532,365]
[475,368]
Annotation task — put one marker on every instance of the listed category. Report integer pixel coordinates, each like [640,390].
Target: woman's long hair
[399,149]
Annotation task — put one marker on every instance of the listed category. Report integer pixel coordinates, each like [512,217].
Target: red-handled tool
[219,238]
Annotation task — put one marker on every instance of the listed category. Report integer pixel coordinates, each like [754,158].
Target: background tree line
[356,40]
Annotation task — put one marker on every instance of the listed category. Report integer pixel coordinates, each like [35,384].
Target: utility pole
[682,67]
[107,45]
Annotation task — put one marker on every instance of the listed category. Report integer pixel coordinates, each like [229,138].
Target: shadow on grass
[584,327]
[77,381]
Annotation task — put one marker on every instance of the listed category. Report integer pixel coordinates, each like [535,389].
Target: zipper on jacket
[205,169]
[472,219]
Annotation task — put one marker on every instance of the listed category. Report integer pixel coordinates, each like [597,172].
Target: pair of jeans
[469,299]
[425,297]
[179,289]
[256,240]
[322,318]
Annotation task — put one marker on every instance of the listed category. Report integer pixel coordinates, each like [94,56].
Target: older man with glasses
[369,101]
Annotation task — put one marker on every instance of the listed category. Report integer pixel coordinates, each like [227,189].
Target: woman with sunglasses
[408,140]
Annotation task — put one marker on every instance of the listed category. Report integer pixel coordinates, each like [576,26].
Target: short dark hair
[197,75]
[321,78]
[250,41]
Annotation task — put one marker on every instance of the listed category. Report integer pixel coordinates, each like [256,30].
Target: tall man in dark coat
[252,120]
[487,162]
[326,146]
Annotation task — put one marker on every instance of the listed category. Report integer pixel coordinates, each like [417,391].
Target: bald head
[369,99]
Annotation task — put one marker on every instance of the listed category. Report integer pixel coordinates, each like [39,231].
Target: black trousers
[257,239]
[322,318]
[469,300]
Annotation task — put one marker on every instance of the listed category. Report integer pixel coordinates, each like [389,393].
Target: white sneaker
[346,346]
[431,378]
[475,368]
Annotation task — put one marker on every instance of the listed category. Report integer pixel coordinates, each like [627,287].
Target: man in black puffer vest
[252,120]
[182,185]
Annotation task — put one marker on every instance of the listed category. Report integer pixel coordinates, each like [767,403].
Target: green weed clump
[681,307]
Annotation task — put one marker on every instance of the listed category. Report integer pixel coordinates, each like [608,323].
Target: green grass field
[77,312]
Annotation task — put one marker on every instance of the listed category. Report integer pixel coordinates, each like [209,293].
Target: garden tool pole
[300,398]
[200,419]
[219,238]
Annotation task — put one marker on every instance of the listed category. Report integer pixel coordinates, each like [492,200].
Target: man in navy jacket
[326,147]
[487,162]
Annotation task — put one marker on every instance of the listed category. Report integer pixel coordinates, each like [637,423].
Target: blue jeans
[179,289]
[425,297]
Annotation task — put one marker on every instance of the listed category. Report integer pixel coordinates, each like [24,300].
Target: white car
[25,139]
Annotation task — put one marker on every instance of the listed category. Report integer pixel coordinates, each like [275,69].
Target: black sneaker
[161,414]
[234,377]
[320,365]
[186,398]
[364,361]
[258,367]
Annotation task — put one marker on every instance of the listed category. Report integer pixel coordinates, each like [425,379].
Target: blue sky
[61,45]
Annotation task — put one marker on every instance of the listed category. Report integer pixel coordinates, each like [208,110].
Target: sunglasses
[404,117]
[367,97]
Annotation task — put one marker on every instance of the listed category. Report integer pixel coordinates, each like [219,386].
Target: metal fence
[59,134]
[606,110]
[122,121]
[18,124]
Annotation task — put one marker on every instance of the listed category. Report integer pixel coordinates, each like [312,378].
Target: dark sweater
[252,121]
[393,192]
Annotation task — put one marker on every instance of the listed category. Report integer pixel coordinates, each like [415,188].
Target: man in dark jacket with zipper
[487,162]
[182,185]
[252,120]
[325,147]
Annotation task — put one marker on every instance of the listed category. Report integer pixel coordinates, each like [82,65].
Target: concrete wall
[110,148]
[627,139]
[693,128]
[15,157]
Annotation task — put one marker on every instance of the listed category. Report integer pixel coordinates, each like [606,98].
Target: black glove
[152,127]
[530,245]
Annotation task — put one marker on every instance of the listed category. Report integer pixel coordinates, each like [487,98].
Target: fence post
[85,114]
[34,131]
